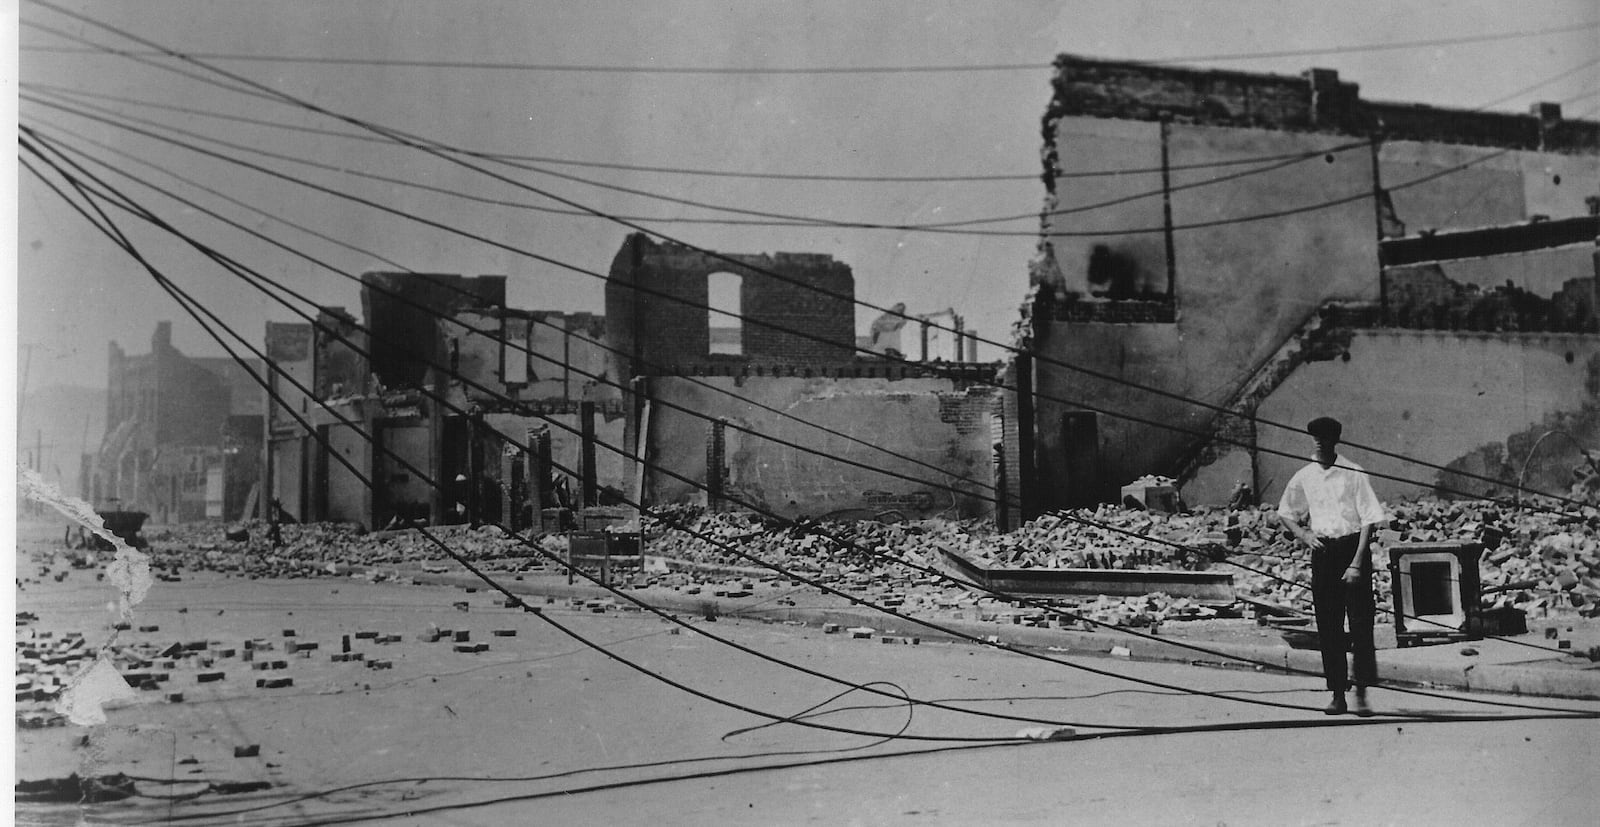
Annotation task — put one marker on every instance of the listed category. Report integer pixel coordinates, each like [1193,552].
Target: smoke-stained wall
[1241,283]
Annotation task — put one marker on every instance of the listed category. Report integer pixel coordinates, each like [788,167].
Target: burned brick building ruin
[661,400]
[705,412]
[1285,249]
[1276,247]
[456,388]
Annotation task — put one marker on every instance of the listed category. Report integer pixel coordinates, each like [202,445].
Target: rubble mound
[1538,558]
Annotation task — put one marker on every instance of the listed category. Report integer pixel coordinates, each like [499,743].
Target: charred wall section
[401,309]
[1268,201]
[1317,100]
[797,308]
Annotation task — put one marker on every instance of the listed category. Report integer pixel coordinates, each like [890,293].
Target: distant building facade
[183,435]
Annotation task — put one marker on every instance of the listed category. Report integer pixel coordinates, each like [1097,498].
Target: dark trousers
[1334,599]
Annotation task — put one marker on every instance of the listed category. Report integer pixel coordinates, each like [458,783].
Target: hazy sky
[76,291]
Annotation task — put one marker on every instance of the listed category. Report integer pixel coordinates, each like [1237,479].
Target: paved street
[442,731]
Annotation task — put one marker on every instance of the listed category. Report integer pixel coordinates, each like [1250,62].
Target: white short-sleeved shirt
[1339,499]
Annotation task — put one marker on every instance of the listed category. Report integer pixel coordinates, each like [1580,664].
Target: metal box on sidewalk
[1435,592]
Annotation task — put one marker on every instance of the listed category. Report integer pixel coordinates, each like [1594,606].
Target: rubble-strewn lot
[238,619]
[1537,558]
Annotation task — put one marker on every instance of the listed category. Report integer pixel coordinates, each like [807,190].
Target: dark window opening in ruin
[725,319]
[1119,275]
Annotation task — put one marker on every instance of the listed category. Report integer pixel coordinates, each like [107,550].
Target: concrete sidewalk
[1529,664]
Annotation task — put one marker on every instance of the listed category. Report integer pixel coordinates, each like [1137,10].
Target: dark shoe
[1337,706]
[1362,708]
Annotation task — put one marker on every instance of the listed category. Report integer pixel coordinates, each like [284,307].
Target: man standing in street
[1343,510]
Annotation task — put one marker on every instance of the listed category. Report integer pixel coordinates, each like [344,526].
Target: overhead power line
[195,310]
[432,148]
[252,279]
[1081,404]
[769,218]
[238,270]
[963,227]
[201,314]
[296,251]
[675,170]
[493,335]
[595,68]
[823,533]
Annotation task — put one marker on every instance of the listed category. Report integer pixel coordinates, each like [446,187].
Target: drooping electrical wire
[639,288]
[469,567]
[764,218]
[829,70]
[518,346]
[669,170]
[197,311]
[191,307]
[842,542]
[236,269]
[432,149]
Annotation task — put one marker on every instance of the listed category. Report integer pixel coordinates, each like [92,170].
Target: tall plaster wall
[1435,396]
[930,420]
[1482,186]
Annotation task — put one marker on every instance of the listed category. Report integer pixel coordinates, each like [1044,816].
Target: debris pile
[313,549]
[1540,561]
[45,664]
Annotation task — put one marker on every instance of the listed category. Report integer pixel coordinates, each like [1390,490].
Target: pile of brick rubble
[1536,560]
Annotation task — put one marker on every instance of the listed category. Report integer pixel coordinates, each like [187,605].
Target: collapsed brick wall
[1070,308]
[861,369]
[657,297]
[1423,297]
[1006,461]
[1113,89]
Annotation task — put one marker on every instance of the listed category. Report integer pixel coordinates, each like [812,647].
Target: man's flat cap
[1325,427]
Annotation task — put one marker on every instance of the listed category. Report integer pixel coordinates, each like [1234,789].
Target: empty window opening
[726,317]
